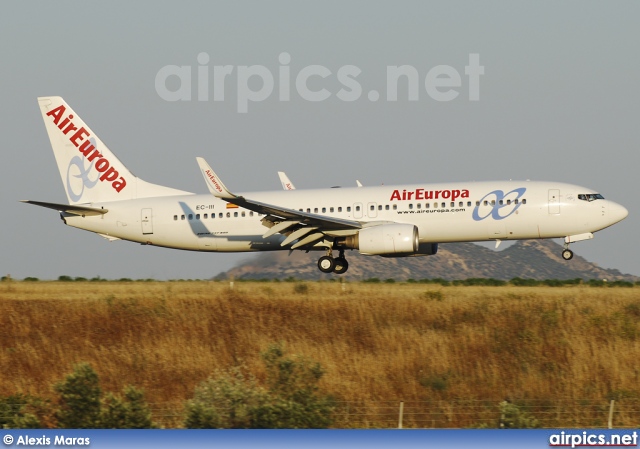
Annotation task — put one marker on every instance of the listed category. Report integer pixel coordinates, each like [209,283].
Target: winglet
[286,183]
[215,185]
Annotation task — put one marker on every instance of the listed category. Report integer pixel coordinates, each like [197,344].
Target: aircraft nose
[617,212]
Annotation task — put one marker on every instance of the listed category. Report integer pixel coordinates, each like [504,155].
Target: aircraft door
[357,210]
[146,220]
[554,201]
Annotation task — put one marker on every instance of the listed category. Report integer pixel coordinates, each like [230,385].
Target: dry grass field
[452,353]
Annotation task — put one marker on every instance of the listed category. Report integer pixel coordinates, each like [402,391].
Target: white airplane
[390,221]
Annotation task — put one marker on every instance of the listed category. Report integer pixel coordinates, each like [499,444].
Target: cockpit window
[590,196]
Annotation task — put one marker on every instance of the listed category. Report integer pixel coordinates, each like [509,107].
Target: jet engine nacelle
[388,239]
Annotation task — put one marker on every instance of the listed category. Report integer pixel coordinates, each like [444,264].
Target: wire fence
[560,413]
[489,414]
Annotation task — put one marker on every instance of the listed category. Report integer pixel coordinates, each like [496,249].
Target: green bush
[79,402]
[290,400]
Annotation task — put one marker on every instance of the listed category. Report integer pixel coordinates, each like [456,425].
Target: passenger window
[508,202]
[340,209]
[386,207]
[206,216]
[418,206]
[348,208]
[228,214]
[251,214]
[453,204]
[493,202]
[524,201]
[308,210]
[515,202]
[315,211]
[324,210]
[372,207]
[478,203]
[175,217]
[190,216]
[220,215]
[197,216]
[235,214]
[357,208]
[380,207]
[244,214]
[395,207]
[444,205]
[331,209]
[182,217]
[426,206]
[468,203]
[410,205]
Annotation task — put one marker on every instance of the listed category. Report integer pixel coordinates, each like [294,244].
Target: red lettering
[94,155]
[429,195]
[119,185]
[446,194]
[409,195]
[419,194]
[65,121]
[110,175]
[56,113]
[102,165]
[437,193]
[79,135]
[71,127]
[86,148]
[455,194]
[465,194]
[395,196]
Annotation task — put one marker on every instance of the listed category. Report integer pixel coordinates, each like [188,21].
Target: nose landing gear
[327,264]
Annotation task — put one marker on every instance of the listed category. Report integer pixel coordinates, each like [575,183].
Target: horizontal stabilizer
[76,210]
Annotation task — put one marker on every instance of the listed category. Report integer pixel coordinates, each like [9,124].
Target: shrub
[131,413]
[511,417]
[235,401]
[79,402]
[301,288]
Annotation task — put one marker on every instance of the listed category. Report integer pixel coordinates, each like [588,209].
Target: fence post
[611,414]
[400,415]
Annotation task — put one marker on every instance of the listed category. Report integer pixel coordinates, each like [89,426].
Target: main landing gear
[567,254]
[327,264]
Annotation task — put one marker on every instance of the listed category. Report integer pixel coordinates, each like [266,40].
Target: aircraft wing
[76,210]
[318,222]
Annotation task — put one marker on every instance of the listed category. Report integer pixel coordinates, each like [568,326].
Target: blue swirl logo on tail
[83,174]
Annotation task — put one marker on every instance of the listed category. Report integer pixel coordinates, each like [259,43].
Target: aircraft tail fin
[90,171]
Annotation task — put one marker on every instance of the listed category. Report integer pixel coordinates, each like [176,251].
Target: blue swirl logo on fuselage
[499,205]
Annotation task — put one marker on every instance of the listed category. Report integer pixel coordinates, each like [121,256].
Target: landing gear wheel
[341,265]
[326,264]
[567,254]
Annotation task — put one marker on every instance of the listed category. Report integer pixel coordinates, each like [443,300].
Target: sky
[558,99]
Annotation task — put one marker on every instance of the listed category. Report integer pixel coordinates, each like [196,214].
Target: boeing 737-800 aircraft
[390,221]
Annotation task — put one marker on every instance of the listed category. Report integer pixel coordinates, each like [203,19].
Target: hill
[528,259]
